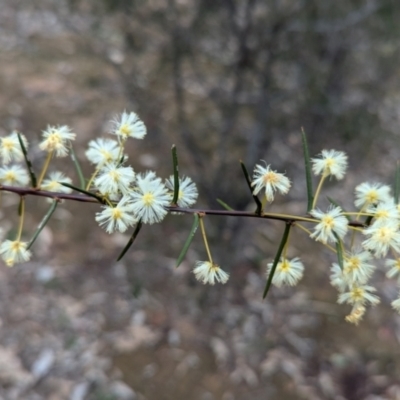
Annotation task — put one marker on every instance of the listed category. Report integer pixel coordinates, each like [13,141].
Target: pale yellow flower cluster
[129,197]
[378,235]
[132,198]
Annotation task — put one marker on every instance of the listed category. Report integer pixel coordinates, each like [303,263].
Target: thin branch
[224,213]
[52,195]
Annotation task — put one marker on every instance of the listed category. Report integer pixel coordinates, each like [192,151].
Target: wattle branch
[22,191]
[131,199]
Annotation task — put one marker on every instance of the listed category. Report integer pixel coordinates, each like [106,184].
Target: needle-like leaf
[43,223]
[223,204]
[339,250]
[78,168]
[248,180]
[307,163]
[277,258]
[189,240]
[176,174]
[131,240]
[98,198]
[27,161]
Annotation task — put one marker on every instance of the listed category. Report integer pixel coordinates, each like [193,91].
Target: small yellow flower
[52,184]
[394,270]
[13,252]
[187,190]
[356,314]
[371,194]
[382,237]
[10,148]
[56,138]
[114,179]
[287,272]
[129,125]
[102,151]
[332,162]
[331,222]
[208,272]
[359,295]
[150,198]
[356,269]
[117,218]
[272,181]
[13,175]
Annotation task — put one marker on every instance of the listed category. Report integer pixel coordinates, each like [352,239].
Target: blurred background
[224,80]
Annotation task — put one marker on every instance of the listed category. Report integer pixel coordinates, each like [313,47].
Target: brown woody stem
[224,213]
